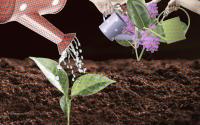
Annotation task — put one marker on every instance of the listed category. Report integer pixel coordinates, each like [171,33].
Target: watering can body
[10,10]
[112,26]
[174,30]
[29,13]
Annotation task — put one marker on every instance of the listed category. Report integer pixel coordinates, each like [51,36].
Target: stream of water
[74,53]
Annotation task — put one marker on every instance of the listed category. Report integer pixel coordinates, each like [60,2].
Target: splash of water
[74,52]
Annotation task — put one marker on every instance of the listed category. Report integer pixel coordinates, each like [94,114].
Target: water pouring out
[29,13]
[73,53]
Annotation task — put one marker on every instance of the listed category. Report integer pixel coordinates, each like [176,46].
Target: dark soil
[146,93]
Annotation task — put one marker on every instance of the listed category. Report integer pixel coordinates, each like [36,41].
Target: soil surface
[146,93]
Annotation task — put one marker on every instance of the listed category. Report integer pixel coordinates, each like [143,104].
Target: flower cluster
[149,41]
[130,28]
[153,10]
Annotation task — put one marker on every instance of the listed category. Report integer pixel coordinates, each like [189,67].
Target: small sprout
[85,85]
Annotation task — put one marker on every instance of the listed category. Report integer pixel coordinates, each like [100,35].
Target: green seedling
[87,84]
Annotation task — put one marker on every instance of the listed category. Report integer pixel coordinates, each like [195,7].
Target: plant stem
[136,42]
[134,47]
[68,111]
[136,52]
[141,54]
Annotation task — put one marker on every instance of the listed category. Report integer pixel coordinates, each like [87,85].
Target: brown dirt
[146,93]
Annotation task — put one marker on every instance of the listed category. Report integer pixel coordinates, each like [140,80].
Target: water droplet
[79,65]
[80,70]
[65,63]
[57,78]
[85,69]
[59,67]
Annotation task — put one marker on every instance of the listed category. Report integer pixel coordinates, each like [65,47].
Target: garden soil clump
[159,92]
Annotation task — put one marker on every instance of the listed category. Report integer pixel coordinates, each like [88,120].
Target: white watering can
[112,26]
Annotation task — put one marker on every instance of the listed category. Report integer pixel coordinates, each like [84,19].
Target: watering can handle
[165,15]
[104,18]
[116,11]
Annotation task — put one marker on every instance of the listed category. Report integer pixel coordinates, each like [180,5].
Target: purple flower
[153,10]
[130,28]
[149,41]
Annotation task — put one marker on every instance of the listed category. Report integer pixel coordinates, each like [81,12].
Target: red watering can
[28,13]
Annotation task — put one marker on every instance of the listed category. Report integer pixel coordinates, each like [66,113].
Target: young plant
[147,30]
[85,85]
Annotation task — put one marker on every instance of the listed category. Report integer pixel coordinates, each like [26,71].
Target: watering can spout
[42,26]
[66,41]
[29,13]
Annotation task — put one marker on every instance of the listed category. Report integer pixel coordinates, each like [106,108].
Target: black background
[82,17]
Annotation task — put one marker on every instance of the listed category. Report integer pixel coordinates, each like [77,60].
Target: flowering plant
[147,31]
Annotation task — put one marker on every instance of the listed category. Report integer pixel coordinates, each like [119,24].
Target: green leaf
[124,43]
[159,29]
[90,84]
[50,70]
[63,104]
[159,32]
[142,1]
[174,30]
[138,13]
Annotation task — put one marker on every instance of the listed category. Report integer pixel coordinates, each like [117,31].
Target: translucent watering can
[174,29]
[112,26]
[28,13]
